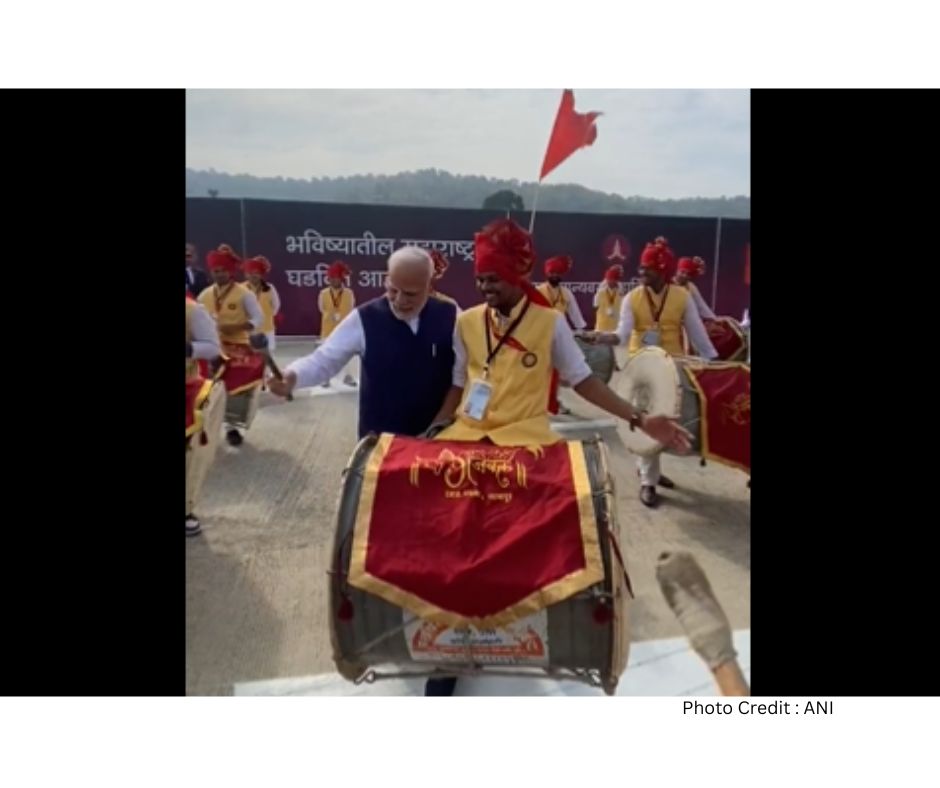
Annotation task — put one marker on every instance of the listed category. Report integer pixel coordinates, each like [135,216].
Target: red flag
[571,131]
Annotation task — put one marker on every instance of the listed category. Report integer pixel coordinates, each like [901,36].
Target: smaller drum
[243,375]
[203,433]
[240,409]
[728,338]
[600,358]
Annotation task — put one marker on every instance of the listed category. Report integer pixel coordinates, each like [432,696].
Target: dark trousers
[440,687]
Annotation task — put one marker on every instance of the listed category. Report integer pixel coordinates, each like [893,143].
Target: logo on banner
[524,642]
[616,249]
[738,411]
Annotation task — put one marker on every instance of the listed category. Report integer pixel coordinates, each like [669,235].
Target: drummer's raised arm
[695,328]
[205,336]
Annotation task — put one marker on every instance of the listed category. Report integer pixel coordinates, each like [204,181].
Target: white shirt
[205,338]
[567,357]
[691,320]
[573,310]
[347,340]
[275,299]
[704,309]
[253,308]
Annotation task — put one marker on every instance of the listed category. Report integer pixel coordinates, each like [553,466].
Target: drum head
[649,381]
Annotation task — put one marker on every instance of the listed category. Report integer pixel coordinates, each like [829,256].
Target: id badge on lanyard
[478,399]
[651,337]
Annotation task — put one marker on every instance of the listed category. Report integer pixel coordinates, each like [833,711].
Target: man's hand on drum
[282,387]
[588,336]
[668,432]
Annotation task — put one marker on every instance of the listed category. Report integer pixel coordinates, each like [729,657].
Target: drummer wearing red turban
[506,348]
[559,296]
[335,302]
[691,268]
[236,311]
[257,269]
[656,313]
[608,299]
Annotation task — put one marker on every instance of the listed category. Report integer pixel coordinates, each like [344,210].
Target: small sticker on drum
[524,642]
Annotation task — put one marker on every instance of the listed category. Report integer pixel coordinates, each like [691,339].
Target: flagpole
[535,203]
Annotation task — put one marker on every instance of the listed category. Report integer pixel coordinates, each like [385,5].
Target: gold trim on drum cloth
[201,398]
[246,387]
[593,571]
[703,409]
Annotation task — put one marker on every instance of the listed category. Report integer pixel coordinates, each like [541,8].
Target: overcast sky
[654,143]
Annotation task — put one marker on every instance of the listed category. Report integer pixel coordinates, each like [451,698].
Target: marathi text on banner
[495,533]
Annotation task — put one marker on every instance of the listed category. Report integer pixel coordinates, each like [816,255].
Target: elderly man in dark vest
[405,340]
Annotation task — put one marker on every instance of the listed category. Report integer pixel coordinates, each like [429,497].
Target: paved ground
[256,578]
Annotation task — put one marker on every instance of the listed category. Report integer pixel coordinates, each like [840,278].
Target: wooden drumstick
[691,598]
[259,342]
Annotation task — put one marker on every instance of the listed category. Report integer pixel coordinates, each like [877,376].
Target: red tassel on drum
[603,613]
[203,438]
[345,612]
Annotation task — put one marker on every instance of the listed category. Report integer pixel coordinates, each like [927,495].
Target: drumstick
[259,342]
[693,602]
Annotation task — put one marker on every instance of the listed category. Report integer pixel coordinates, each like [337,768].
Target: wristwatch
[636,420]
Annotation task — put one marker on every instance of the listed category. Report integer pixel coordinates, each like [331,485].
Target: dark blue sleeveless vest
[405,376]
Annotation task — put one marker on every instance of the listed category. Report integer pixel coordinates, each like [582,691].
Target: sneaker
[234,437]
[193,526]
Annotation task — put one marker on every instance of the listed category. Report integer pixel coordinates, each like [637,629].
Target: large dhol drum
[584,637]
[241,408]
[681,388]
[203,433]
[243,374]
[600,358]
